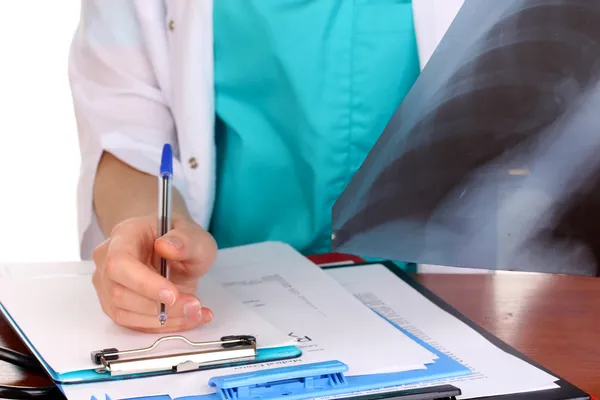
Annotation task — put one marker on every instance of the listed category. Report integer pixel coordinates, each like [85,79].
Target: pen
[165,181]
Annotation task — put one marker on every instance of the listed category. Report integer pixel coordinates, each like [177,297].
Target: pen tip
[162,318]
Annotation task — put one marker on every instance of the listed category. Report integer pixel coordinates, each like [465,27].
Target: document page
[326,320]
[495,372]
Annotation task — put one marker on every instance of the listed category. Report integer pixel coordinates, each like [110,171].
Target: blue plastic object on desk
[296,382]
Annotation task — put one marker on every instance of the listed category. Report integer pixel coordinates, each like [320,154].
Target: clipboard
[118,364]
[293,382]
[137,365]
[566,390]
[296,381]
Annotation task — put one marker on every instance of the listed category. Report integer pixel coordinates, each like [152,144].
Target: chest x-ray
[493,159]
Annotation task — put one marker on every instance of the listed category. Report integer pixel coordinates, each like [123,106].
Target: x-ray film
[493,159]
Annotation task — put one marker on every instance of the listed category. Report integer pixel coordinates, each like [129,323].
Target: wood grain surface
[554,320]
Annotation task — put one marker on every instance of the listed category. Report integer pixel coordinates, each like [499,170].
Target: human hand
[129,285]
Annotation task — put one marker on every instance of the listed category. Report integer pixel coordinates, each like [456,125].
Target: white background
[39,157]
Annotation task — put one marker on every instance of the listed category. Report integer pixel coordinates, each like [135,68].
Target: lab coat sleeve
[119,105]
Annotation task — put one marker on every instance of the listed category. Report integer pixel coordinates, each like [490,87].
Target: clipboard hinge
[306,381]
[228,349]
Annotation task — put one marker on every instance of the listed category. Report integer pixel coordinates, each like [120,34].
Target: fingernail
[207,316]
[193,309]
[167,297]
[173,241]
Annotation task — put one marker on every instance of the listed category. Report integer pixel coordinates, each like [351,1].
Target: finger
[189,244]
[129,249]
[136,276]
[99,253]
[187,306]
[133,320]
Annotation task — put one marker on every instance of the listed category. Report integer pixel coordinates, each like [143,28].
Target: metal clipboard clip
[228,349]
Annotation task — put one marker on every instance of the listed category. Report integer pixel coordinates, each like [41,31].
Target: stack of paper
[267,290]
[271,291]
[494,372]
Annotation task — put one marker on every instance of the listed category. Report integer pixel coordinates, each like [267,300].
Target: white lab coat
[141,74]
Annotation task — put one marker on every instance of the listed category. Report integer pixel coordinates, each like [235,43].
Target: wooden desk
[555,320]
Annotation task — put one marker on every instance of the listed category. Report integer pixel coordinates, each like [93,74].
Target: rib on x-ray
[493,159]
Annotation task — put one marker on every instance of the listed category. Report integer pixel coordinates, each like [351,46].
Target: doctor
[270,105]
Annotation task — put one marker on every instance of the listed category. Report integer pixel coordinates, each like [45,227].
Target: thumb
[189,245]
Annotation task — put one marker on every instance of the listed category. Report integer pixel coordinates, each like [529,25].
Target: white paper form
[327,321]
[65,322]
[495,371]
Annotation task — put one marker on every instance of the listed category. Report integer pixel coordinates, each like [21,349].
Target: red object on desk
[334,258]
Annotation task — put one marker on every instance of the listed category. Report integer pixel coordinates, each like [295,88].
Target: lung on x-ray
[493,159]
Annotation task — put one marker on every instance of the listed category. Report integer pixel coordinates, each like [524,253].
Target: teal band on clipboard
[262,355]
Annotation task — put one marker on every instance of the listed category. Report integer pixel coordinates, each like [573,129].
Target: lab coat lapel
[192,101]
[175,8]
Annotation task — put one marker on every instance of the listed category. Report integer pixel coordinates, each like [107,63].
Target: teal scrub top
[303,89]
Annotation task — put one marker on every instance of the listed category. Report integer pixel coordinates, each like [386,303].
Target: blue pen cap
[166,163]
